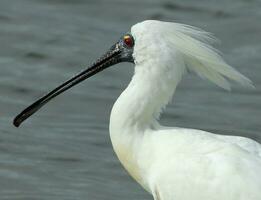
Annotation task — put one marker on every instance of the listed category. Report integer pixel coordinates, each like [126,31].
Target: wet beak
[112,57]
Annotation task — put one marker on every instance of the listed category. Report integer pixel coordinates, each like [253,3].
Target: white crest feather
[194,45]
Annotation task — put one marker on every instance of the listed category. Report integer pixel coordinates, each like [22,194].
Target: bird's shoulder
[199,141]
[247,144]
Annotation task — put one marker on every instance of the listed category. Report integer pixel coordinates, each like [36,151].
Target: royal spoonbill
[172,163]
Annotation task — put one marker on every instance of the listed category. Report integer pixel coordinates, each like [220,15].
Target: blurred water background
[64,151]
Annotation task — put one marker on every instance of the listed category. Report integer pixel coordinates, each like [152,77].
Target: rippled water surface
[64,151]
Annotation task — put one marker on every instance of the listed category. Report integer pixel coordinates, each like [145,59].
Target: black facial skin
[119,52]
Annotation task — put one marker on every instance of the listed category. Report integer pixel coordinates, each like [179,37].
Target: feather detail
[202,58]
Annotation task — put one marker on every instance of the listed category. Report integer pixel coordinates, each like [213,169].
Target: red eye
[128,40]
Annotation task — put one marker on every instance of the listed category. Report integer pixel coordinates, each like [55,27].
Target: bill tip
[16,122]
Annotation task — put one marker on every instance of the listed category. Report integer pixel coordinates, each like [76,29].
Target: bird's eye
[128,41]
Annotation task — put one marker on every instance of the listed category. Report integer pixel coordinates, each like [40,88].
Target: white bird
[172,163]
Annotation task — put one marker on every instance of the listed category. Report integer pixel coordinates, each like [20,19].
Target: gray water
[64,151]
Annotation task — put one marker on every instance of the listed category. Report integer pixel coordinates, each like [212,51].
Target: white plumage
[179,163]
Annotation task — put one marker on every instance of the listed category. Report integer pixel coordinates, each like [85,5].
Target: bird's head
[141,44]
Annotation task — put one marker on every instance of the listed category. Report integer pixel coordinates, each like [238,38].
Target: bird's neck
[137,110]
[141,103]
